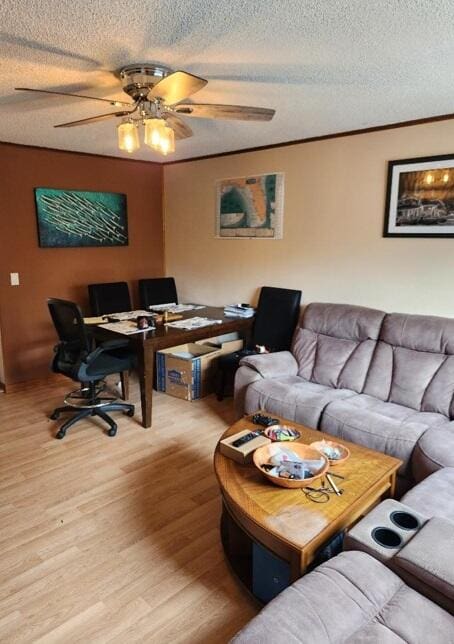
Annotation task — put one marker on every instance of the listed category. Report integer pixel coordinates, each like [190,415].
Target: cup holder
[386,538]
[404,520]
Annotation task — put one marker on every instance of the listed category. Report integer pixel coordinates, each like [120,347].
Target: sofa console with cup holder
[394,582]
[417,548]
[385,381]
[385,530]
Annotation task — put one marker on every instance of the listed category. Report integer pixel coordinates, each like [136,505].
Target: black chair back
[111,297]
[277,315]
[74,343]
[159,290]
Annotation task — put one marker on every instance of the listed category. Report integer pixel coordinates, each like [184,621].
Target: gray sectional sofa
[354,599]
[385,381]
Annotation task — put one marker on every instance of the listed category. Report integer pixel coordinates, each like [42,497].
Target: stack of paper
[193,323]
[127,315]
[239,311]
[175,308]
[124,327]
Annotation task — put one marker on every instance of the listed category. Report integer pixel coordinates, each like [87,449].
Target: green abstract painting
[250,207]
[74,218]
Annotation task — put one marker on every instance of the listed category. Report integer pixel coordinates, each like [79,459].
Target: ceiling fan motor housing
[139,78]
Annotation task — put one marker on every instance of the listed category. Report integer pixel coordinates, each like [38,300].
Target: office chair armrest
[106,346]
[114,344]
[272,365]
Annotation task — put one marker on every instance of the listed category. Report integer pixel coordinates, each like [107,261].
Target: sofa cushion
[426,562]
[413,364]
[386,427]
[435,450]
[291,397]
[433,497]
[335,344]
[351,598]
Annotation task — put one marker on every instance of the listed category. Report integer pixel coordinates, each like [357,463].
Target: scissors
[321,494]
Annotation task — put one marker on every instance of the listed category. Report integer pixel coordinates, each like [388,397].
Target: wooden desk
[146,344]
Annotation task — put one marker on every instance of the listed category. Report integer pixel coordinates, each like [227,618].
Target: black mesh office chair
[111,297]
[75,358]
[159,290]
[275,320]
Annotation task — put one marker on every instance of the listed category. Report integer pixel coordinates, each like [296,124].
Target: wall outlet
[14,279]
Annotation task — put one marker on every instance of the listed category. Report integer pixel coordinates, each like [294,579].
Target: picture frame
[250,207]
[420,197]
[80,218]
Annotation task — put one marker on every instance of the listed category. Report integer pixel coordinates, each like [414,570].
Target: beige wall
[333,247]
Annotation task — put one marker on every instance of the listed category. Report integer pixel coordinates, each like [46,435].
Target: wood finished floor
[113,539]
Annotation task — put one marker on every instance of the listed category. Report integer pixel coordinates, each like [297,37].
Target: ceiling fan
[157,93]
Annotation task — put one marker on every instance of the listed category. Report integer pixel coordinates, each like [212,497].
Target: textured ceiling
[325,65]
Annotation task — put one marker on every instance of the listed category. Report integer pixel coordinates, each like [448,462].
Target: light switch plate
[14,279]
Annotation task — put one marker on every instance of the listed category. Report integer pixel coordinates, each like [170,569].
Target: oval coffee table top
[288,514]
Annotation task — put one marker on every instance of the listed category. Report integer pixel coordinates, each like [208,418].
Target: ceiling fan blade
[176,87]
[182,131]
[94,119]
[240,112]
[91,98]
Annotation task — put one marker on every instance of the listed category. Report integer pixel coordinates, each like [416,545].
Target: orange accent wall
[27,334]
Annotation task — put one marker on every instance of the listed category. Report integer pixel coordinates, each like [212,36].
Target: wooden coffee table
[284,521]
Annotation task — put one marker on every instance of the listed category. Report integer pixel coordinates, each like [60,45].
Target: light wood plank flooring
[113,539]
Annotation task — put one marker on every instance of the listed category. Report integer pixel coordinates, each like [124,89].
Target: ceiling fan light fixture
[153,132]
[167,143]
[128,137]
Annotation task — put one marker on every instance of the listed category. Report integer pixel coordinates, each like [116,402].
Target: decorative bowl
[263,454]
[268,432]
[322,446]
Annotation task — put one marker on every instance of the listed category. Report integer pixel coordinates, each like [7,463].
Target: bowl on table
[262,455]
[281,433]
[327,448]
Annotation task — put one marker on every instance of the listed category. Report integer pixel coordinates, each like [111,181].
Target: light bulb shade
[128,137]
[153,130]
[167,141]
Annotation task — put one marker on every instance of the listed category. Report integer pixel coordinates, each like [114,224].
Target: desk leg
[145,357]
[124,378]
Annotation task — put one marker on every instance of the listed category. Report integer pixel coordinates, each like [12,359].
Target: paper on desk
[125,327]
[193,323]
[94,320]
[176,308]
[162,307]
[127,315]
[181,308]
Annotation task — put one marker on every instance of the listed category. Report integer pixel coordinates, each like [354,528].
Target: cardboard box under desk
[187,370]
[226,343]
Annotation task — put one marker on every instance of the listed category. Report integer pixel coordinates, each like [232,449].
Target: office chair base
[90,396]
[80,414]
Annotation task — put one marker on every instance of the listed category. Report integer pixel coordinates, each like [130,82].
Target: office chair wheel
[112,431]
[130,412]
[55,415]
[60,434]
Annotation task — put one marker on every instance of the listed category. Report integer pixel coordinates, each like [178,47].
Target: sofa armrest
[426,562]
[434,451]
[272,365]
[258,366]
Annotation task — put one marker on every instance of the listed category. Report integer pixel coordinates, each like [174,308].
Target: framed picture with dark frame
[420,197]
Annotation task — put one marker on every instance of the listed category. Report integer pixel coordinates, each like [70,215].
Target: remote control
[246,438]
[265,421]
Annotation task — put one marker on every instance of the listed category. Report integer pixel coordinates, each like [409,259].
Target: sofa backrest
[413,364]
[335,344]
